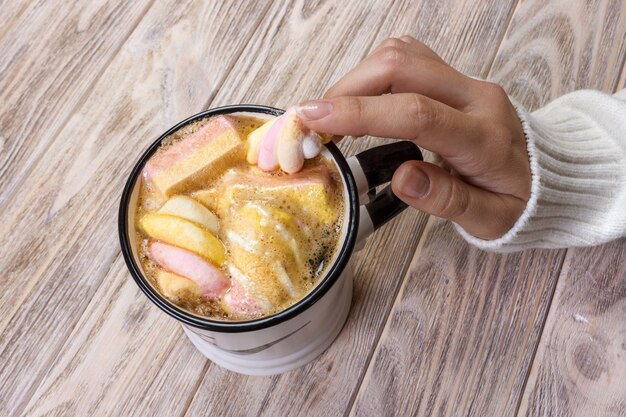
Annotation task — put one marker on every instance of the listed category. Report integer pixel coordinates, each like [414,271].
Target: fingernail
[314,109]
[413,183]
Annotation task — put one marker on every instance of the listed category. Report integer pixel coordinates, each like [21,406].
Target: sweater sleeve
[577,150]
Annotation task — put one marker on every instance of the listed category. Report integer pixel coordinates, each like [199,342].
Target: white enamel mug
[295,336]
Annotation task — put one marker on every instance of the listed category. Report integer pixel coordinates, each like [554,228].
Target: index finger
[398,67]
[427,122]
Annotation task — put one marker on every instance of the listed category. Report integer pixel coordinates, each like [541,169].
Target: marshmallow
[196,159]
[211,280]
[284,142]
[311,145]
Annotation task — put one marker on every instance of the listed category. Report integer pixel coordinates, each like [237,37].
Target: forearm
[577,151]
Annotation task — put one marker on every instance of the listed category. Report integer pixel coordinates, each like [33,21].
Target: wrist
[577,151]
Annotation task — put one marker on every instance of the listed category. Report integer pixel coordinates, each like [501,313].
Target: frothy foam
[280,231]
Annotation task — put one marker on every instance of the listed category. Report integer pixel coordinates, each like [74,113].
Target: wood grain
[463,332]
[111,365]
[45,77]
[622,79]
[580,367]
[63,236]
[11,12]
[556,47]
[90,85]
[326,386]
[456,340]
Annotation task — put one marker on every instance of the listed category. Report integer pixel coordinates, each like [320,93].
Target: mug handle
[375,167]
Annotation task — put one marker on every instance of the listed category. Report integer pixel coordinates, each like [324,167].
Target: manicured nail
[413,183]
[314,109]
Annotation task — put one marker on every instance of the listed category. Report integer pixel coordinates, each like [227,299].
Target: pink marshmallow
[268,160]
[163,160]
[306,177]
[287,144]
[239,301]
[210,279]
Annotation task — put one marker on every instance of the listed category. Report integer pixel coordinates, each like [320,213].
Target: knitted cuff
[578,191]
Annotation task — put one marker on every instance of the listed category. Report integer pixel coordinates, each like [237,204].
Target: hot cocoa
[225,239]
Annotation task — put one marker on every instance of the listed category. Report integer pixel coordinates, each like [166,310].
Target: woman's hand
[404,90]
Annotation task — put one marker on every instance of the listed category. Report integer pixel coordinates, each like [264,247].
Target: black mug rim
[311,298]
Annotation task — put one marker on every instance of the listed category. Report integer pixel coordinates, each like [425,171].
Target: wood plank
[455,341]
[580,366]
[325,387]
[582,351]
[554,48]
[171,391]
[62,234]
[622,78]
[106,366]
[50,57]
[464,329]
[10,12]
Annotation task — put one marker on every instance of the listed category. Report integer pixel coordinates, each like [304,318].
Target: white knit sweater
[577,150]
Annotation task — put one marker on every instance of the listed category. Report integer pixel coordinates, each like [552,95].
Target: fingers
[433,190]
[412,44]
[283,142]
[427,122]
[400,66]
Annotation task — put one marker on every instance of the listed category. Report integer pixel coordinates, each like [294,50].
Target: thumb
[433,190]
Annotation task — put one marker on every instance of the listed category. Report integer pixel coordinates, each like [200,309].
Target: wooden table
[437,327]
